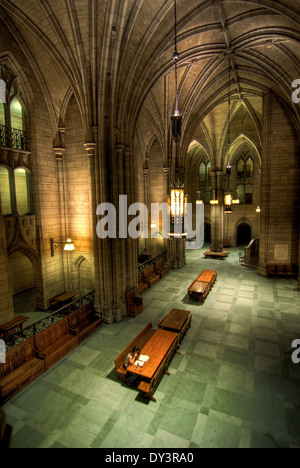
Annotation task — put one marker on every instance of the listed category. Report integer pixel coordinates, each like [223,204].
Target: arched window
[2,114]
[17,124]
[202,172]
[208,171]
[241,193]
[5,192]
[3,129]
[22,184]
[249,194]
[249,168]
[240,169]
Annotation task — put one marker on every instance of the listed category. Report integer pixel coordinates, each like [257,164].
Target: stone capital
[90,148]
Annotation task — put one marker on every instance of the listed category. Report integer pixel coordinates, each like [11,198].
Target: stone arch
[243,234]
[83,275]
[33,256]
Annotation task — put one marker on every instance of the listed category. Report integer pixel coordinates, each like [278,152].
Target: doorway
[244,233]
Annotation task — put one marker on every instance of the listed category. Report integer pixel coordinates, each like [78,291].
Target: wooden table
[200,288]
[207,276]
[178,321]
[62,299]
[8,327]
[161,349]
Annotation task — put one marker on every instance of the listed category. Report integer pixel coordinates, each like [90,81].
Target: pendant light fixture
[177,197]
[176,118]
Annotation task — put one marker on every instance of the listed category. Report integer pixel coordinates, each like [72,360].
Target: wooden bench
[161,268]
[280,271]
[134,304]
[150,276]
[23,365]
[55,342]
[218,255]
[8,327]
[83,322]
[142,287]
[140,340]
[226,243]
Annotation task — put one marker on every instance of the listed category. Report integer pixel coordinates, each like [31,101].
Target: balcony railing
[3,136]
[19,337]
[18,138]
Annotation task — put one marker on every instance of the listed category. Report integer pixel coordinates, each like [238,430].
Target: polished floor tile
[233,384]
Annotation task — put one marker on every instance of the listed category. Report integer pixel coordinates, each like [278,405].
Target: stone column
[59,152]
[122,242]
[147,203]
[91,149]
[176,253]
[132,260]
[217,213]
[6,299]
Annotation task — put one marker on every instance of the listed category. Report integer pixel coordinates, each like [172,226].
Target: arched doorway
[22,283]
[207,233]
[243,234]
[83,280]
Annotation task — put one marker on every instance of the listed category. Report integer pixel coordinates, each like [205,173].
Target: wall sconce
[68,246]
[258,209]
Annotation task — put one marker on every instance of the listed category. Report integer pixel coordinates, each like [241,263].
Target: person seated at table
[130,360]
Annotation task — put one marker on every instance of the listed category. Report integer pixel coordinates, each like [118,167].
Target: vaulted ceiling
[79,46]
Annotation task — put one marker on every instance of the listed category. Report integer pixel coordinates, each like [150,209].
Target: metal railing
[18,138]
[3,136]
[152,261]
[19,337]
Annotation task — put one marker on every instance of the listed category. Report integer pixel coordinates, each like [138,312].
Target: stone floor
[233,385]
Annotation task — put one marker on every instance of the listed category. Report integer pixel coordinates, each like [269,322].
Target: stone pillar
[122,242]
[91,149]
[132,254]
[59,152]
[217,213]
[176,253]
[299,264]
[147,203]
[6,299]
[280,190]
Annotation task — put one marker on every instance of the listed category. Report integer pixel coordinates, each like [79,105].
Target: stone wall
[280,187]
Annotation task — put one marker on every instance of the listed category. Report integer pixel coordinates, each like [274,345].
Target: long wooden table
[62,299]
[200,288]
[161,349]
[8,327]
[178,321]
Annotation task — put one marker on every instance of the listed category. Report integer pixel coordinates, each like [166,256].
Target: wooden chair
[150,276]
[134,304]
[142,287]
[280,271]
[161,268]
[271,270]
